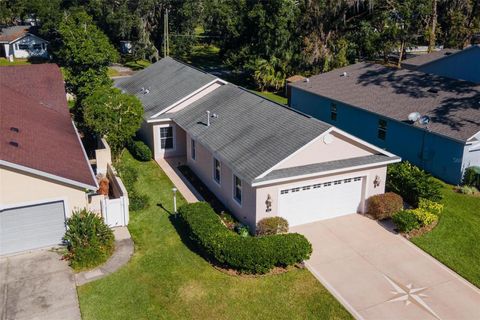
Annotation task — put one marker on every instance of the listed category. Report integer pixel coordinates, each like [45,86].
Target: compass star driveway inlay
[380,275]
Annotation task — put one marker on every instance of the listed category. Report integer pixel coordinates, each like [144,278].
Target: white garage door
[31,227]
[308,203]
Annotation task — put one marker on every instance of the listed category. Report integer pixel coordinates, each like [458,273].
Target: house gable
[329,147]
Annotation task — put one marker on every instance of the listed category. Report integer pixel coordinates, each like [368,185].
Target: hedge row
[245,254]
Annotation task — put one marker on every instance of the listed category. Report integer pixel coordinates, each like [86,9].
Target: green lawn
[272,96]
[16,62]
[167,280]
[137,65]
[111,72]
[456,239]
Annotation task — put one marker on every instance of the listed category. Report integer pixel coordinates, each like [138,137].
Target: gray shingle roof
[251,134]
[422,59]
[326,166]
[453,105]
[167,80]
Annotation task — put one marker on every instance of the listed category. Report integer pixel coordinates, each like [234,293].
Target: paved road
[37,286]
[377,274]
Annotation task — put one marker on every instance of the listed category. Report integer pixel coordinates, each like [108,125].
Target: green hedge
[245,254]
[412,183]
[139,150]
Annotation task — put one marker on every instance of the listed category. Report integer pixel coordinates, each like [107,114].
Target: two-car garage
[307,203]
[31,227]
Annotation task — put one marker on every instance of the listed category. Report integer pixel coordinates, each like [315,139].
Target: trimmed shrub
[128,174]
[242,230]
[139,150]
[412,183]
[89,240]
[273,225]
[245,254]
[471,177]
[430,206]
[405,221]
[424,217]
[383,206]
[468,190]
[137,201]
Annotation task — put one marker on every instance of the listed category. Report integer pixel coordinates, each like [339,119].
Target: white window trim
[219,182]
[239,203]
[174,138]
[193,150]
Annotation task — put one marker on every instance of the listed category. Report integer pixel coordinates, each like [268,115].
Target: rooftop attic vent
[14,129]
[208,118]
[307,80]
[344,74]
[13,144]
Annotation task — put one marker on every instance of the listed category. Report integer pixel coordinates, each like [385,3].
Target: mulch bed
[274,271]
[420,231]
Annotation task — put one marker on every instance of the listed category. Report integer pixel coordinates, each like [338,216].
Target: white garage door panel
[308,203]
[31,227]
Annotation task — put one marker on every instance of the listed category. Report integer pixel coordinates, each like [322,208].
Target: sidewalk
[169,166]
[123,251]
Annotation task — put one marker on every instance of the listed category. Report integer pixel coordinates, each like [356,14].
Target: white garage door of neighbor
[308,203]
[31,227]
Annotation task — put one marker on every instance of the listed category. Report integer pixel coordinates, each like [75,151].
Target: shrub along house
[430,120]
[261,159]
[44,172]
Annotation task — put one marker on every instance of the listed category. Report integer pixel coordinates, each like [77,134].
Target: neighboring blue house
[464,64]
[373,102]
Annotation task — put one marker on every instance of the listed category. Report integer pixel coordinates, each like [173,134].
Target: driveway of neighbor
[37,286]
[377,274]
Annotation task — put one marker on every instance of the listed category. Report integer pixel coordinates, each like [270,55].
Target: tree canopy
[110,113]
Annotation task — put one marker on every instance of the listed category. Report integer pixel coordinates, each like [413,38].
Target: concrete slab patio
[377,274]
[36,286]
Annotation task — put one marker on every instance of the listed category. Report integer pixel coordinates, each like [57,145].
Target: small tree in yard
[108,112]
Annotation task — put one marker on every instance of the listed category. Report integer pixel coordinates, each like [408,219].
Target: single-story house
[44,171]
[430,120]
[19,42]
[457,64]
[261,159]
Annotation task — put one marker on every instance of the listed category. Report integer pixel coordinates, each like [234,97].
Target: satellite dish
[425,120]
[414,116]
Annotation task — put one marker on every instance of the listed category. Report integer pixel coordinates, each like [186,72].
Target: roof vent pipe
[208,118]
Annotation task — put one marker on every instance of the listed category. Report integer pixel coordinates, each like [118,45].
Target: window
[216,170]
[37,46]
[23,46]
[166,138]
[316,186]
[237,189]
[192,149]
[382,129]
[284,191]
[357,179]
[306,188]
[327,184]
[337,182]
[333,111]
[295,189]
[347,180]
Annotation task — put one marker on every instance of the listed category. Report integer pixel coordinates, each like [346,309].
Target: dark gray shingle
[326,166]
[422,59]
[251,134]
[167,80]
[453,105]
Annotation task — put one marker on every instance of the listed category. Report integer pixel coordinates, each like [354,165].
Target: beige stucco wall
[150,134]
[274,189]
[203,167]
[19,188]
[318,151]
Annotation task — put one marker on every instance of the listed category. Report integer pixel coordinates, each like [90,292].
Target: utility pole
[166,42]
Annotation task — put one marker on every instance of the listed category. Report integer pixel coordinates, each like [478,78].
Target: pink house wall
[318,151]
[203,168]
[150,134]
[274,189]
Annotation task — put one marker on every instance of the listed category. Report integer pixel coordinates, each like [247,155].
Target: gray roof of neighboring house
[168,82]
[422,59]
[251,134]
[453,105]
[326,166]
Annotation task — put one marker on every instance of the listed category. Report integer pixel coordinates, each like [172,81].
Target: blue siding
[442,157]
[464,65]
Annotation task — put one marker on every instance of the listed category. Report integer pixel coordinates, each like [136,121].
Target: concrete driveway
[37,285]
[377,274]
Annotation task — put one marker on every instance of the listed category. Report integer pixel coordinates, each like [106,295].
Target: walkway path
[377,274]
[169,166]
[123,251]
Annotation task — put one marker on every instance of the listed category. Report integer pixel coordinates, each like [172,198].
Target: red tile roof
[12,33]
[33,100]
